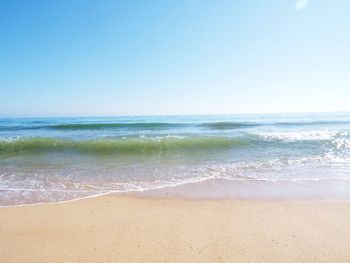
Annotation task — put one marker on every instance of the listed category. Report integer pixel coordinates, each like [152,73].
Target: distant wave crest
[227,125]
[217,125]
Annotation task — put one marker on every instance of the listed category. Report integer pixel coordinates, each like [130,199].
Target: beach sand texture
[126,229]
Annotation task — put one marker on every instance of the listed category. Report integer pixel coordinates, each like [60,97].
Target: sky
[154,57]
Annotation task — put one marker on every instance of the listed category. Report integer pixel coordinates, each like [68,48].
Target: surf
[123,145]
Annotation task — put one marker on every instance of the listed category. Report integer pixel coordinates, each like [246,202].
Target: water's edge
[219,189]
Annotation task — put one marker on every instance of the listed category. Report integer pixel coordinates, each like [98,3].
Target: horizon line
[165,115]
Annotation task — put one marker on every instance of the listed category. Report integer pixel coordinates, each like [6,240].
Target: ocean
[46,160]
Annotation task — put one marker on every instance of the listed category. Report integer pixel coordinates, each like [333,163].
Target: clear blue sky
[71,57]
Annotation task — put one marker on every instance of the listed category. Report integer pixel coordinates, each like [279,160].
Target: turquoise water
[56,159]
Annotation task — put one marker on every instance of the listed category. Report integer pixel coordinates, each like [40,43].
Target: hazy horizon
[179,115]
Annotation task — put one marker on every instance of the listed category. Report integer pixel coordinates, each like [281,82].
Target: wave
[310,123]
[332,140]
[215,125]
[98,126]
[230,125]
[133,126]
[227,125]
[324,135]
[132,145]
[94,126]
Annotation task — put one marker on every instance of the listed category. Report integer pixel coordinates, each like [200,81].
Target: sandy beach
[127,229]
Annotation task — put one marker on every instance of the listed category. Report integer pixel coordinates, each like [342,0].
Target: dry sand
[124,229]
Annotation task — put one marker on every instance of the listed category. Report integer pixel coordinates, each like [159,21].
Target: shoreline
[221,189]
[114,228]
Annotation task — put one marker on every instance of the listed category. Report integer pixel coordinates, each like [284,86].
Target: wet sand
[128,229]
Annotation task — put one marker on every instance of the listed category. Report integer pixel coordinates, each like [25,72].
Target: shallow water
[56,159]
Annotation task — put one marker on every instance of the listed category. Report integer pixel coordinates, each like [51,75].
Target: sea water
[57,159]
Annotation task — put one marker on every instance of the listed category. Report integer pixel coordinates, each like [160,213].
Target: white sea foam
[302,135]
[342,143]
[10,139]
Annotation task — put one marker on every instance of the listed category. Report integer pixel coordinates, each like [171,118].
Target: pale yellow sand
[123,229]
